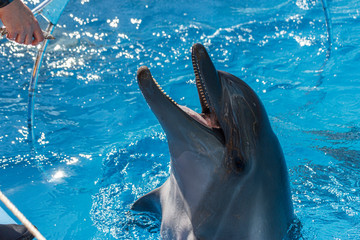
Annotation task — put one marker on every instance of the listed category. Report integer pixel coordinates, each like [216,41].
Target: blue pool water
[99,147]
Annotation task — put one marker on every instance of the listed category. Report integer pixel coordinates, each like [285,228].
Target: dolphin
[228,177]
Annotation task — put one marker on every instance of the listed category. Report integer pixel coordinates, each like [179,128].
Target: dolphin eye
[238,161]
[238,165]
[235,160]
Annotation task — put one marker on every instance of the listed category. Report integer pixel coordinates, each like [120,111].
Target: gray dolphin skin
[228,177]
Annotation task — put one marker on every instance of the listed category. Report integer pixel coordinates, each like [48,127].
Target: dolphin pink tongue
[207,121]
[194,115]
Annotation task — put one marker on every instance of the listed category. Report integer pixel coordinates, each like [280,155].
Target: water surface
[99,147]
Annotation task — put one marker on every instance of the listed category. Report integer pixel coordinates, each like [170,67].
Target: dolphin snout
[199,50]
[144,75]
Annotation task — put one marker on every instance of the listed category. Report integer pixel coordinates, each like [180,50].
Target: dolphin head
[232,116]
[224,157]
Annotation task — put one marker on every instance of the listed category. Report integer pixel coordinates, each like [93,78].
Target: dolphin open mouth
[155,95]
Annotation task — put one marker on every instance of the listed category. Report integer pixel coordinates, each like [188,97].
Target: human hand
[21,25]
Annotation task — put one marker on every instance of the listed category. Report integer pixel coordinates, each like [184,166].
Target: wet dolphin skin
[228,177]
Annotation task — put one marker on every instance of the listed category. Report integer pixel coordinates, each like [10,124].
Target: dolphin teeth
[163,92]
[199,84]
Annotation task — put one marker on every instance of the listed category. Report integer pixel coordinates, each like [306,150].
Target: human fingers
[20,38]
[28,39]
[11,36]
[38,36]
